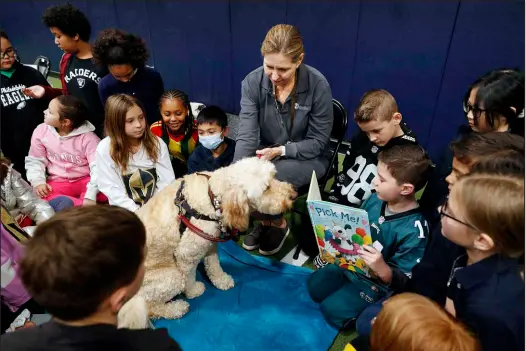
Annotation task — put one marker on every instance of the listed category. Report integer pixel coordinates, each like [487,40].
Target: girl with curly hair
[125,56]
[177,129]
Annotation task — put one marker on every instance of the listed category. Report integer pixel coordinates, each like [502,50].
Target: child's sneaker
[319,262]
[252,240]
[273,240]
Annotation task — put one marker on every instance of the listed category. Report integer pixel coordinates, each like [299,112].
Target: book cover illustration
[340,230]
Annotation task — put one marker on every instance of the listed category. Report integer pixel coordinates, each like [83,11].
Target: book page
[314,189]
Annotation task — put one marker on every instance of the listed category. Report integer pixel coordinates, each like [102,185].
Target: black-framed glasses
[468,107]
[443,212]
[10,52]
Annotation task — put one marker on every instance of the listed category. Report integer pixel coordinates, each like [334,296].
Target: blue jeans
[363,322]
[61,203]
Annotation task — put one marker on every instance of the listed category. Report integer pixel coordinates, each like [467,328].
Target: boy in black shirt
[82,266]
[214,150]
[381,127]
[79,75]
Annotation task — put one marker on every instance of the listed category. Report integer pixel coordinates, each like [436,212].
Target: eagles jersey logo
[140,185]
[81,82]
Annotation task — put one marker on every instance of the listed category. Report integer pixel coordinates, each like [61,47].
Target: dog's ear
[236,212]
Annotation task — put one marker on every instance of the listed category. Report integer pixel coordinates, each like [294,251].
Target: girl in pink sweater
[61,159]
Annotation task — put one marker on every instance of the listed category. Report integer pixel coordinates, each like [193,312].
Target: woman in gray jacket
[286,117]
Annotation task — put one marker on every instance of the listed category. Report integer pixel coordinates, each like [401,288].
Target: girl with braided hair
[177,129]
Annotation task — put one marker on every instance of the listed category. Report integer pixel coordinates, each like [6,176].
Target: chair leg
[297,253]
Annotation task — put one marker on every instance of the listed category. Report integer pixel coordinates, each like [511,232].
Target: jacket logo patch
[21,105]
[81,82]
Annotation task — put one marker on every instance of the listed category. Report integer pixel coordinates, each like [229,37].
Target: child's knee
[334,314]
[317,283]
[61,203]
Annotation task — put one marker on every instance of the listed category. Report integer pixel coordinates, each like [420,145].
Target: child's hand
[373,259]
[88,202]
[43,190]
[35,91]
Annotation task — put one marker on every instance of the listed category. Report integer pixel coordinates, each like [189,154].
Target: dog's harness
[186,212]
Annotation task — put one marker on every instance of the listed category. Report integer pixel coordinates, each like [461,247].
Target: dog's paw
[224,282]
[196,290]
[176,309]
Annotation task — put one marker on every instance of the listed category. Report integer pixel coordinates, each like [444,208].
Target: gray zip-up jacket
[262,124]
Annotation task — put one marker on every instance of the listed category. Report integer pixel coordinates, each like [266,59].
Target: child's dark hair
[504,162]
[475,146]
[211,115]
[117,47]
[407,164]
[72,108]
[69,19]
[189,120]
[3,35]
[375,105]
[497,92]
[80,256]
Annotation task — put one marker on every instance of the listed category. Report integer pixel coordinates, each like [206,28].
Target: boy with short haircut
[493,152]
[78,74]
[82,266]
[215,150]
[381,127]
[398,229]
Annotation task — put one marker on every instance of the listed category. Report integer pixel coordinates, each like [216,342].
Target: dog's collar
[186,212]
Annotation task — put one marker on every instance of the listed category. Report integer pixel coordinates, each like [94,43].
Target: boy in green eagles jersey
[399,232]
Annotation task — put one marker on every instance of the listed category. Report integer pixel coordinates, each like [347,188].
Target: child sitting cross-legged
[82,266]
[61,158]
[399,233]
[214,150]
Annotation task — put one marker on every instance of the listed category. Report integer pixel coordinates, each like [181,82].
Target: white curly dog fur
[171,261]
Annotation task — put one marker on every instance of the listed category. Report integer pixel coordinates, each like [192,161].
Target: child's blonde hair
[410,322]
[494,205]
[376,105]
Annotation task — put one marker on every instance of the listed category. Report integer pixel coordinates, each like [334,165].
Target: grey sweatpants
[299,172]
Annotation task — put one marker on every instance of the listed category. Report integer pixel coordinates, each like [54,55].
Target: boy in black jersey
[79,75]
[82,266]
[381,127]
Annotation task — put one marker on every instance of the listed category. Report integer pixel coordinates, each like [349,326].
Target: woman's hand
[269,153]
[35,91]
[43,190]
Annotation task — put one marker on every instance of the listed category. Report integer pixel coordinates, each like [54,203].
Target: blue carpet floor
[268,309]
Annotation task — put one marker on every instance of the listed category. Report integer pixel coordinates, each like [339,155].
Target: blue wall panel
[425,53]
[488,35]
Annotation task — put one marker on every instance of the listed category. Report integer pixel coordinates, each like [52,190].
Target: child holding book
[398,229]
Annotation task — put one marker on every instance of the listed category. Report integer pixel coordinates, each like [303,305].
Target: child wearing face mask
[176,129]
[214,150]
[61,160]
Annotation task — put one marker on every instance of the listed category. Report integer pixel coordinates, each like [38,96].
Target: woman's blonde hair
[285,39]
[494,205]
[410,322]
[117,106]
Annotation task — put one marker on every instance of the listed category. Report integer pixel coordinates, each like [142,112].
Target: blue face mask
[211,142]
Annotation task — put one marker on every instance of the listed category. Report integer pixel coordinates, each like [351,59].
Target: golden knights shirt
[353,185]
[142,179]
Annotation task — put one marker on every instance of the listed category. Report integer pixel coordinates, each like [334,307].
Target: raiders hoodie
[20,114]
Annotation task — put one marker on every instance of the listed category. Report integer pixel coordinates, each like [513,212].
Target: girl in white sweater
[132,163]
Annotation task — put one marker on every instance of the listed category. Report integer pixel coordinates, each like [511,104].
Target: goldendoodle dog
[185,220]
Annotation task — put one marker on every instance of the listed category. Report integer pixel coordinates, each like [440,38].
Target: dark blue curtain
[425,53]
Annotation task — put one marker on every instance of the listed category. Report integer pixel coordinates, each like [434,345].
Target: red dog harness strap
[186,212]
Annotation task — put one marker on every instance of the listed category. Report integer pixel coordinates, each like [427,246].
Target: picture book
[340,230]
